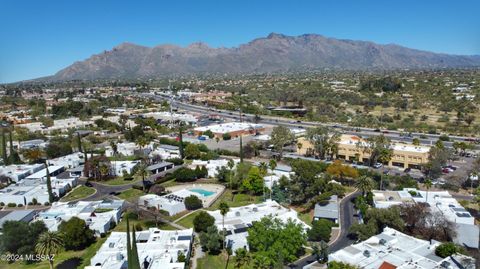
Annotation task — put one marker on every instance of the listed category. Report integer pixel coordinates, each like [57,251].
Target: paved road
[426,139]
[346,220]
[103,191]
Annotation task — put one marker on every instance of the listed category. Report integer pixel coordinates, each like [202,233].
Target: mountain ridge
[271,54]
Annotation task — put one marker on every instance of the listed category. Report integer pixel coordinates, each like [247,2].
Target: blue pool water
[203,192]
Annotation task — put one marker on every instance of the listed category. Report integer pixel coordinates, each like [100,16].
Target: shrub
[34,201]
[2,204]
[138,227]
[11,205]
[175,161]
[226,136]
[20,205]
[46,204]
[192,202]
[448,249]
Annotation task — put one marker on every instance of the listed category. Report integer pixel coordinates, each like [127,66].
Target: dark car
[407,170]
[377,130]
[88,184]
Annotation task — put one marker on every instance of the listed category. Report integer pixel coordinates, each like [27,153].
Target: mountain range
[272,54]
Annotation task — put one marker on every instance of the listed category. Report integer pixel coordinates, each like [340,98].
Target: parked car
[88,184]
[377,165]
[407,170]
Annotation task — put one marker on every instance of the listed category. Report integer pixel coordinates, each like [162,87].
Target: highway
[425,139]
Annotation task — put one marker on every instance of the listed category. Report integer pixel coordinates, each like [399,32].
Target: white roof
[159,247]
[229,127]
[393,247]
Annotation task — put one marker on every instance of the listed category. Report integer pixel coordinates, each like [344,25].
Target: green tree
[254,181]
[323,141]
[280,137]
[211,240]
[365,184]
[143,172]
[192,152]
[276,240]
[132,252]
[379,148]
[428,185]
[19,237]
[192,202]
[320,231]
[51,196]
[202,221]
[224,208]
[48,244]
[76,234]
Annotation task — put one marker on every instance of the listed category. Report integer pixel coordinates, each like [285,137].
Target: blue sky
[41,37]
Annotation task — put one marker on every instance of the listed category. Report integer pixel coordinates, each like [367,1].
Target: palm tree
[224,208]
[365,184]
[143,172]
[263,168]
[428,185]
[242,258]
[230,165]
[48,244]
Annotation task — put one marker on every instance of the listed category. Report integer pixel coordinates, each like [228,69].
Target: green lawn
[119,181]
[122,227]
[215,261]
[130,194]
[78,193]
[306,217]
[239,199]
[83,256]
[187,222]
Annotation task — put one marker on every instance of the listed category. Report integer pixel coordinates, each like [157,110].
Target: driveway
[346,220]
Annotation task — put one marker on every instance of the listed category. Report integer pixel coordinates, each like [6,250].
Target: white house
[173,203]
[99,215]
[157,249]
[393,249]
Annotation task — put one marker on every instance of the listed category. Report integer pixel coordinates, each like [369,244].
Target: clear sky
[39,37]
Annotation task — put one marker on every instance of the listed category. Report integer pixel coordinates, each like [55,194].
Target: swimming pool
[203,192]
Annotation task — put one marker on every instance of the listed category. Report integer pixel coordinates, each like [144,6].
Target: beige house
[404,155]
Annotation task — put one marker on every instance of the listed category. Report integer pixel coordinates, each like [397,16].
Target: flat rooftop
[229,127]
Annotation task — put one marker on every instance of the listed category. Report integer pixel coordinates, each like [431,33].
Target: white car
[377,165]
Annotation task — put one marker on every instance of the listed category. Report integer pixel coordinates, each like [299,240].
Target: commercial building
[166,116]
[350,148]
[239,219]
[157,249]
[393,249]
[173,203]
[234,129]
[98,215]
[467,233]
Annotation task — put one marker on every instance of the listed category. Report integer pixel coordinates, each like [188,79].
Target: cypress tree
[4,148]
[49,186]
[79,142]
[135,259]
[129,247]
[180,138]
